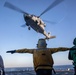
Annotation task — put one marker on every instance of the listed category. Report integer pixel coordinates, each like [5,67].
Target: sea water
[61,70]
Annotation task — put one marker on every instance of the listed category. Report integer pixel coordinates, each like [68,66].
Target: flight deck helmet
[74,42]
[41,43]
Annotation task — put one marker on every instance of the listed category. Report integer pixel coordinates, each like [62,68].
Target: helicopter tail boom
[48,36]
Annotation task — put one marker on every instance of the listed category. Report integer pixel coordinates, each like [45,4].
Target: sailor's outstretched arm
[25,50]
[53,50]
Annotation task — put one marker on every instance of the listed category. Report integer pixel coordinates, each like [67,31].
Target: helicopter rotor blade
[56,2]
[51,22]
[11,6]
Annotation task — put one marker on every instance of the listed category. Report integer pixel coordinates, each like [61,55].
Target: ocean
[60,70]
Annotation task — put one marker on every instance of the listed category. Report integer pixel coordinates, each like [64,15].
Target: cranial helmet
[41,43]
[74,42]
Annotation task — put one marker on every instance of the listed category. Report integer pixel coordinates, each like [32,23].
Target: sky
[13,36]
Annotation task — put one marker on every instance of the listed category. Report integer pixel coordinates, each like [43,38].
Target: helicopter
[33,21]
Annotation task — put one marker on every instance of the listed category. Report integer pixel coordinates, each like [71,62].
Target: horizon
[33,67]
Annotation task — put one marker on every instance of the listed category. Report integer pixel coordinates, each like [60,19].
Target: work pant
[44,72]
[75,70]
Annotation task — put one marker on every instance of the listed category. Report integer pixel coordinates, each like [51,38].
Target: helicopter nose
[26,18]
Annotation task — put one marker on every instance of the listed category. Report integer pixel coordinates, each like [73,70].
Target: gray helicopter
[33,21]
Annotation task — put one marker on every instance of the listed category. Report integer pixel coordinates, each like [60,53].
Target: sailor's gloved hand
[13,51]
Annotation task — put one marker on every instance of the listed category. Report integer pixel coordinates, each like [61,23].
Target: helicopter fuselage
[35,22]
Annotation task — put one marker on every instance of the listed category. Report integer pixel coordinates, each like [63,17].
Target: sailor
[42,57]
[1,66]
[72,55]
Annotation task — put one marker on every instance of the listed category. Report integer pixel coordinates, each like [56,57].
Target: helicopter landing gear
[29,28]
[27,24]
